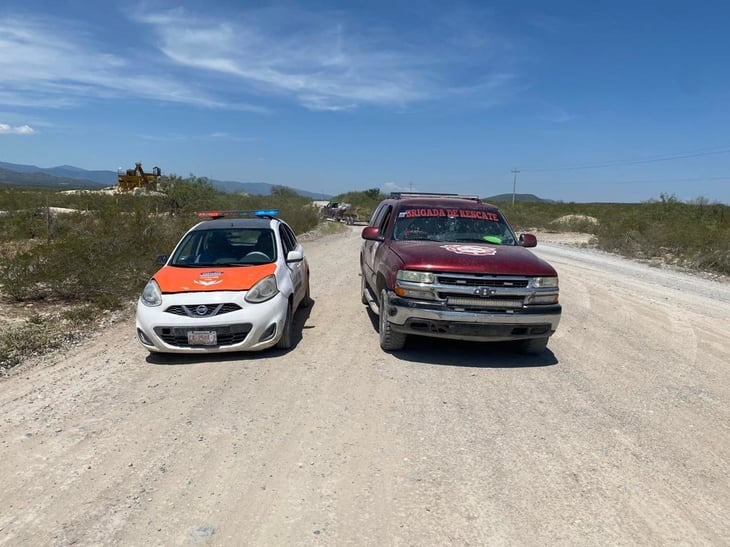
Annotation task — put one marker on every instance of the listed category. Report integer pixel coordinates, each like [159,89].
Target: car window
[225,247]
[377,219]
[287,239]
[454,225]
[383,220]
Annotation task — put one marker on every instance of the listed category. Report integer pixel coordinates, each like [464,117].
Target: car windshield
[442,224]
[226,247]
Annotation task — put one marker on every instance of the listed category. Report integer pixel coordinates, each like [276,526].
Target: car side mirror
[294,256]
[372,233]
[528,240]
[161,260]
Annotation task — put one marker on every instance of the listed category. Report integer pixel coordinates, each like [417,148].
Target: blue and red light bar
[261,213]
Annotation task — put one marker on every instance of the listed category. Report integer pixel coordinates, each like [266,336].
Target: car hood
[476,258]
[176,279]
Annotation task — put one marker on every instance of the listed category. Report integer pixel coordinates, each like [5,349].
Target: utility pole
[514,185]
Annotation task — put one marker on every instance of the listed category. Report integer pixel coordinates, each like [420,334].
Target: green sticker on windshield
[493,239]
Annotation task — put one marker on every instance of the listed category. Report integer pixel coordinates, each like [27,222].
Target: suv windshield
[226,247]
[442,224]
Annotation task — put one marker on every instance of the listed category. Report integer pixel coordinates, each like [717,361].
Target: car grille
[227,335]
[482,281]
[203,310]
[477,292]
[484,303]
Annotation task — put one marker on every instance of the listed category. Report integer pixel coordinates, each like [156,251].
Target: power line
[618,163]
[654,181]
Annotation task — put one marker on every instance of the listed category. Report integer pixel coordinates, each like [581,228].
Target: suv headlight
[412,284]
[262,291]
[411,276]
[544,283]
[151,295]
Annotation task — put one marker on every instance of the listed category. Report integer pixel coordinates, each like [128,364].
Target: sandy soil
[620,434]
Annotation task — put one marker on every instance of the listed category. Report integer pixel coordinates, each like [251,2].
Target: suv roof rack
[403,195]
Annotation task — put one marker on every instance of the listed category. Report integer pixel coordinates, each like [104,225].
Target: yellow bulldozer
[137,178]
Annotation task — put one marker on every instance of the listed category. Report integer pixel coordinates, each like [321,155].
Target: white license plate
[202,338]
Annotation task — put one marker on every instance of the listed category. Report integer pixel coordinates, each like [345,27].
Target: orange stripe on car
[173,279]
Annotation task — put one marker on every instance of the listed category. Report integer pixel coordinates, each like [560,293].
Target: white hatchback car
[231,284]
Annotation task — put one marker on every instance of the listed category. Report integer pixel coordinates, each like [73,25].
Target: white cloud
[55,64]
[323,61]
[327,62]
[7,129]
[395,187]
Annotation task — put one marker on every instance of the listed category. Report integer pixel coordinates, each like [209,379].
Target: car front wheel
[389,339]
[286,339]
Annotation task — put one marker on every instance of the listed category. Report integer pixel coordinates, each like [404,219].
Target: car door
[372,250]
[298,269]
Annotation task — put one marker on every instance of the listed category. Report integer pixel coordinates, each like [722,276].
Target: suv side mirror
[161,260]
[372,233]
[528,240]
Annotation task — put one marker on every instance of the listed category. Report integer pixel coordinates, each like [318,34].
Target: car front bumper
[253,327]
[428,319]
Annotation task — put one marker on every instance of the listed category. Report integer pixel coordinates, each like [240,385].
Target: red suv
[450,266]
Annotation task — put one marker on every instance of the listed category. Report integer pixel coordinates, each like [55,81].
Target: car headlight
[544,283]
[415,277]
[262,291]
[151,295]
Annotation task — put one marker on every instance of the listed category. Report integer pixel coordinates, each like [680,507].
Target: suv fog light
[543,299]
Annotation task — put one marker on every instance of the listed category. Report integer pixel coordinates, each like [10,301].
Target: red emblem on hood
[473,250]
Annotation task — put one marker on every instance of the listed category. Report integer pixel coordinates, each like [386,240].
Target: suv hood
[476,258]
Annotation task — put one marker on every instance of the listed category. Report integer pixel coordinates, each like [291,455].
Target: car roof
[221,223]
[452,203]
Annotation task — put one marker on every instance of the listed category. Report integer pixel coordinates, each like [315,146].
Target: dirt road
[618,435]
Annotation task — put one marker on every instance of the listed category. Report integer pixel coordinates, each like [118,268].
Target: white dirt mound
[575,219]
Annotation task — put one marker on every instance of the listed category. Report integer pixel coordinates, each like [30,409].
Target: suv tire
[533,346]
[389,339]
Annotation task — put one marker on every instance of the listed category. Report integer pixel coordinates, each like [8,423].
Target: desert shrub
[19,340]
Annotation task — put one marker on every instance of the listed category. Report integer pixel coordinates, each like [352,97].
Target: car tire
[306,299]
[533,346]
[389,339]
[363,289]
[286,339]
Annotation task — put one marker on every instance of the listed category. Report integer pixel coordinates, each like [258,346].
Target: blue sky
[617,101]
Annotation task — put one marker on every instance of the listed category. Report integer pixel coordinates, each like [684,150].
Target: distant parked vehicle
[339,212]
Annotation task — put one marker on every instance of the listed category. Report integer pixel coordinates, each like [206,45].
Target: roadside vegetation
[73,260]
[693,235]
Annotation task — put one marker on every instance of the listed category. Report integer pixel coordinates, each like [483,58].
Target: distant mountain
[70,177]
[44,180]
[258,189]
[101,178]
[521,198]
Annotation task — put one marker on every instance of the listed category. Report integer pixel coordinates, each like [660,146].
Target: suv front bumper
[432,319]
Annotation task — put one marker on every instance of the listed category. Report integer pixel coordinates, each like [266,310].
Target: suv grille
[203,310]
[482,292]
[484,303]
[482,281]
